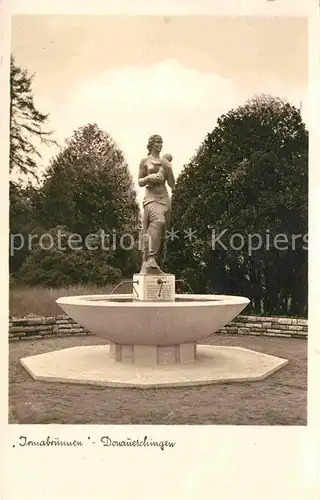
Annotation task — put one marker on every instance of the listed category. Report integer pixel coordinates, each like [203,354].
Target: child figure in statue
[156,166]
[169,158]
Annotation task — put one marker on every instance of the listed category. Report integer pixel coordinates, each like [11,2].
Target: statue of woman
[154,173]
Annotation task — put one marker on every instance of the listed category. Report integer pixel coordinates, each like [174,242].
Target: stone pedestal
[154,354]
[154,288]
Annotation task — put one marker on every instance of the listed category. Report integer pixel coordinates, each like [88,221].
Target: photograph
[158,234]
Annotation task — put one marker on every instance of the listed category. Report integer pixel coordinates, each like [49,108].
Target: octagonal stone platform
[93,365]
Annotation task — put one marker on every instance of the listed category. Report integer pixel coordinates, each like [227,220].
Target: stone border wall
[37,327]
[268,326]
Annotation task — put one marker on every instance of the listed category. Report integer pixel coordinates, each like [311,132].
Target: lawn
[281,399]
[24,300]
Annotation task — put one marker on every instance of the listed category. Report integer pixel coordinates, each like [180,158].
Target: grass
[281,399]
[26,300]
[38,300]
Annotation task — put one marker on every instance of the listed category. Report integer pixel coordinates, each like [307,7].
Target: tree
[250,175]
[26,133]
[22,223]
[26,123]
[87,188]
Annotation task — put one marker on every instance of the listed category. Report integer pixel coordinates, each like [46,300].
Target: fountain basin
[122,321]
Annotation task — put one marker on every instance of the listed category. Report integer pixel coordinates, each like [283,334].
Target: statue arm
[143,177]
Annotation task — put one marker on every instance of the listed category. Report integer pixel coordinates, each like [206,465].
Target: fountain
[150,331]
[153,334]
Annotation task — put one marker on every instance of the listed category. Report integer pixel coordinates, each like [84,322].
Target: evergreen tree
[26,123]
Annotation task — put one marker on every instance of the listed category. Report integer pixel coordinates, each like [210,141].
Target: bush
[65,266]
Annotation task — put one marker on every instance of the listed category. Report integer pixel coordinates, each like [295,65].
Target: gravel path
[281,399]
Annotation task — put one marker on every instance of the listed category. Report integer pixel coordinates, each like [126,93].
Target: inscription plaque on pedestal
[155,288]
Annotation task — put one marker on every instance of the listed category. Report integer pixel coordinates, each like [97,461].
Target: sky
[139,75]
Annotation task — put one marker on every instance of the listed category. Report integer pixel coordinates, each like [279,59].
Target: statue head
[154,143]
